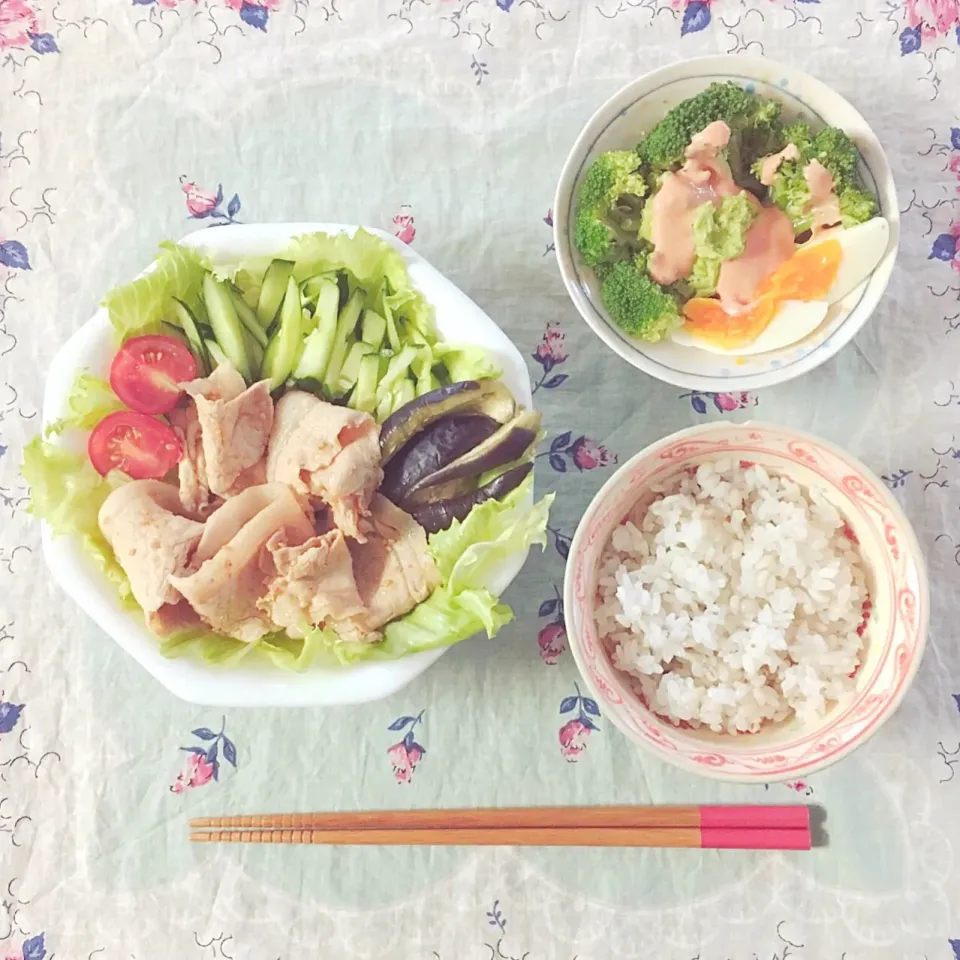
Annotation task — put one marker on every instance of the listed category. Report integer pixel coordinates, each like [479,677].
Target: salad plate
[257,681]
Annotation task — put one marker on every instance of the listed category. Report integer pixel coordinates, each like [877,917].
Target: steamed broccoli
[638,305]
[839,154]
[608,207]
[754,126]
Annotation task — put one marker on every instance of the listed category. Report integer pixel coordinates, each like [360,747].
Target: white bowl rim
[265,685]
[563,201]
[911,547]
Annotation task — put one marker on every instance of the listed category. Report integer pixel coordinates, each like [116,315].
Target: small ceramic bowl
[620,123]
[259,684]
[894,637]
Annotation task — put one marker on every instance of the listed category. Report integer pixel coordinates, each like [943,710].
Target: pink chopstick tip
[735,838]
[756,817]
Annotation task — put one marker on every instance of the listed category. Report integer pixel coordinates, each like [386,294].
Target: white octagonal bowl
[619,124]
[260,684]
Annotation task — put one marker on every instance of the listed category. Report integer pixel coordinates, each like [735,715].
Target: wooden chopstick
[690,837]
[794,816]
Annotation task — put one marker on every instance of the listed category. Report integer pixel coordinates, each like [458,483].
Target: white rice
[734,599]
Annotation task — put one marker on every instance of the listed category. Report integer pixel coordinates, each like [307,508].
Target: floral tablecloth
[124,122]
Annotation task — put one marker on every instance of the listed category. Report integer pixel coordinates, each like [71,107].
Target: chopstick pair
[704,827]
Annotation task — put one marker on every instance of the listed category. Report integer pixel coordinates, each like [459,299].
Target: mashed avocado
[719,233]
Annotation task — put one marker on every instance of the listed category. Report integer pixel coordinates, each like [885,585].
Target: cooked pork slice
[235,565]
[314,584]
[153,541]
[328,452]
[393,570]
[225,428]
[234,434]
[172,618]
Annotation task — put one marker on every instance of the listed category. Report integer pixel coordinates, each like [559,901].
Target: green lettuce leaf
[465,362]
[138,307]
[492,531]
[90,400]
[67,493]
[444,618]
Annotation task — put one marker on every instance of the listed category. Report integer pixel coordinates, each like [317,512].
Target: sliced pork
[314,584]
[328,452]
[153,541]
[225,427]
[234,562]
[393,570]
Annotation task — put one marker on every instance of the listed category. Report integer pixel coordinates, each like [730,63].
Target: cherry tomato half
[140,446]
[147,372]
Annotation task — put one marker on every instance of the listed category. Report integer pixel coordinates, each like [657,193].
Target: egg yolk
[808,275]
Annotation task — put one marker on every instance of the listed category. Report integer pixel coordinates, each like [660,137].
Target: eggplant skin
[440,514]
[510,442]
[433,448]
[489,397]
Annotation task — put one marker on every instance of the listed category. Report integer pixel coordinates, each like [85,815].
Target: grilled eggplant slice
[440,514]
[507,444]
[489,397]
[433,448]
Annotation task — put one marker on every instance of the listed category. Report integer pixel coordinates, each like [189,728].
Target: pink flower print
[574,733]
[954,164]
[404,760]
[573,740]
[724,402]
[583,453]
[588,455]
[203,763]
[254,13]
[18,22]
[549,353]
[33,948]
[196,772]
[238,5]
[550,350]
[954,228]
[799,786]
[935,18]
[404,228]
[552,640]
[200,202]
[405,755]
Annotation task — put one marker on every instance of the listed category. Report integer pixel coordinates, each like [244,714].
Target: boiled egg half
[794,300]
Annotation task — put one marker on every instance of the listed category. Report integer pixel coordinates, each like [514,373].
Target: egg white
[793,321]
[863,247]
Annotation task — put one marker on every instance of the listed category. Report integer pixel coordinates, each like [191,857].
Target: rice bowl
[859,682]
[735,598]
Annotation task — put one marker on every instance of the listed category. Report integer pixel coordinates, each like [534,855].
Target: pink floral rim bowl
[894,635]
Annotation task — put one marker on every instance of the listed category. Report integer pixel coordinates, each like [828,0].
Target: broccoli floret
[593,238]
[637,304]
[608,207]
[611,176]
[856,205]
[839,155]
[754,123]
[798,133]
